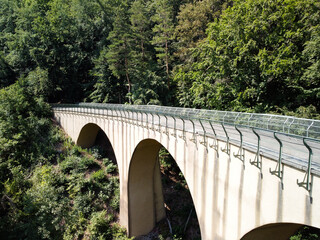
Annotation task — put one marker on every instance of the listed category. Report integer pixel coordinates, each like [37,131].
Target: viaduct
[251,176]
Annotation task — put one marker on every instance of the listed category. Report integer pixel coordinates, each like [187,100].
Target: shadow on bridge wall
[146,200]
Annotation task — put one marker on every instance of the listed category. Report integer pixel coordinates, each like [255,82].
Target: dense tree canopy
[257,57]
[44,193]
[253,55]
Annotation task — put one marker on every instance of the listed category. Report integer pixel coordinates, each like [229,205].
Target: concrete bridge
[251,176]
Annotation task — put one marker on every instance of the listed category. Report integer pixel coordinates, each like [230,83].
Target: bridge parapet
[290,125]
[289,140]
[293,140]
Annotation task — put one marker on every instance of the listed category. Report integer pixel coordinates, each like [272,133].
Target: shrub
[99,227]
[77,164]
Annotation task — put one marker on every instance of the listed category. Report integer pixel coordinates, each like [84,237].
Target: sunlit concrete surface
[233,199]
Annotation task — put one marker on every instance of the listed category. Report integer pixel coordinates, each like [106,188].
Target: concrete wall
[232,199]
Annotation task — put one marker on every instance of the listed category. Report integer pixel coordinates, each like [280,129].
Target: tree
[193,20]
[23,124]
[252,59]
[147,85]
[118,55]
[164,34]
[108,88]
[7,75]
[58,36]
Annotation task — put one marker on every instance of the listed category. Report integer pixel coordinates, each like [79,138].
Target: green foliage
[24,126]
[107,87]
[7,74]
[306,233]
[38,80]
[50,189]
[57,36]
[119,233]
[193,19]
[118,55]
[164,29]
[99,225]
[77,164]
[254,58]
[97,152]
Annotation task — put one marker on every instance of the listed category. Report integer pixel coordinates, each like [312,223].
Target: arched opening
[148,200]
[283,231]
[106,173]
[182,220]
[92,135]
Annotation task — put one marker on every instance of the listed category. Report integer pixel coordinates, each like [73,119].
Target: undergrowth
[72,195]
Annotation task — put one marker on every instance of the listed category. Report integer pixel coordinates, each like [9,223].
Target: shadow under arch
[275,231]
[145,195]
[92,135]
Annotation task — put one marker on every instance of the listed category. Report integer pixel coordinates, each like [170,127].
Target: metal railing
[290,140]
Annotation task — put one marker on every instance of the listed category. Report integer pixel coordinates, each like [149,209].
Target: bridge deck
[294,152]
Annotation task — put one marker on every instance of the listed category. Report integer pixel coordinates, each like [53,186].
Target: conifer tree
[140,14]
[118,55]
[164,34]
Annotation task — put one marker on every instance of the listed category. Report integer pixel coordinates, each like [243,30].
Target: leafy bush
[98,176]
[97,152]
[99,227]
[110,167]
[24,126]
[77,164]
[306,233]
[115,201]
[83,203]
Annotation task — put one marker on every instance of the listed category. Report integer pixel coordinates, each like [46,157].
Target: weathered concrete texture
[231,198]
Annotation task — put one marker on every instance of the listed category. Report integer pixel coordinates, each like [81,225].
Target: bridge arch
[276,231]
[92,134]
[145,195]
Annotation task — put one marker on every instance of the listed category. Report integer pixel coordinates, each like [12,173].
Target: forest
[237,55]
[253,55]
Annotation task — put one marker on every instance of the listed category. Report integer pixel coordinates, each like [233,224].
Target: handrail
[306,128]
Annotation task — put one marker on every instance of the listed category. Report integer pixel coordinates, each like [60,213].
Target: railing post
[268,122]
[257,159]
[166,130]
[278,172]
[137,117]
[307,180]
[147,120]
[204,142]
[174,134]
[183,136]
[227,147]
[121,118]
[240,154]
[215,144]
[152,126]
[290,125]
[159,124]
[193,139]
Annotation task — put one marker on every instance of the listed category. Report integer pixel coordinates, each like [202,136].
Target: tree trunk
[128,79]
[167,64]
